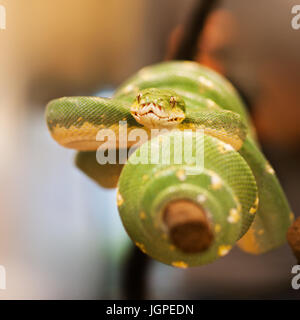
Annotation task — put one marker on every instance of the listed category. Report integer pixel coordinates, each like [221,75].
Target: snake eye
[172,101]
[138,98]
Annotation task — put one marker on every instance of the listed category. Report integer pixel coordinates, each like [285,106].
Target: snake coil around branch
[176,217]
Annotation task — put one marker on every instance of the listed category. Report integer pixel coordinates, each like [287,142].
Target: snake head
[158,108]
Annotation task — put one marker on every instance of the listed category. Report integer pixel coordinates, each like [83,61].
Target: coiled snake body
[179,218]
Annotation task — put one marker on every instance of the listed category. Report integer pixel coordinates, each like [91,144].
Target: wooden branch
[192,32]
[188,226]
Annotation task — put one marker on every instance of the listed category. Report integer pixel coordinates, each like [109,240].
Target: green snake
[178,218]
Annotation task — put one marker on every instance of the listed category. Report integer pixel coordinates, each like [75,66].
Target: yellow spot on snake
[120,199]
[234,216]
[217,228]
[292,216]
[254,208]
[179,264]
[141,247]
[224,147]
[212,105]
[79,119]
[216,182]
[269,169]
[142,215]
[223,250]
[261,231]
[201,198]
[206,82]
[181,175]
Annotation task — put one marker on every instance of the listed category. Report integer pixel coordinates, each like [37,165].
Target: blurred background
[60,234]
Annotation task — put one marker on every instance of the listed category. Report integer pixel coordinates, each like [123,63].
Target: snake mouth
[154,113]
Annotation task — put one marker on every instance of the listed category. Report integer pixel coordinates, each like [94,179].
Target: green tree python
[178,218]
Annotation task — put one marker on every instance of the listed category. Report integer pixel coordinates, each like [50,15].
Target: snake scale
[178,218]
